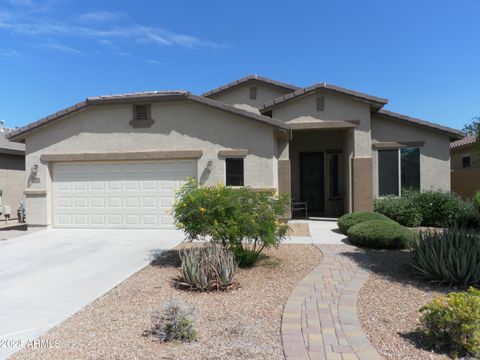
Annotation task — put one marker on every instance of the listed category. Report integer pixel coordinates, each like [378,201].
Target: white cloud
[9,53]
[99,27]
[100,16]
[153,62]
[58,47]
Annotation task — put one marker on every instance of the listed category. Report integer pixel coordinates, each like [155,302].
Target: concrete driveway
[47,276]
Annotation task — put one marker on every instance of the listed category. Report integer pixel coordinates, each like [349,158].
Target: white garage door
[117,195]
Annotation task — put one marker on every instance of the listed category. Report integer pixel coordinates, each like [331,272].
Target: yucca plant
[206,268]
[450,256]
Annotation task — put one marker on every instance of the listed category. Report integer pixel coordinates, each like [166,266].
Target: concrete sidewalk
[47,276]
[322,231]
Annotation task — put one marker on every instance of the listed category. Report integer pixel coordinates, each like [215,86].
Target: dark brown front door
[312,180]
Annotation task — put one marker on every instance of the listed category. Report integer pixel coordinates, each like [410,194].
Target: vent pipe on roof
[2,126]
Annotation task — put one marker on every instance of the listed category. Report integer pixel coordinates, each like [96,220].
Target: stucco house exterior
[12,174]
[115,161]
[465,165]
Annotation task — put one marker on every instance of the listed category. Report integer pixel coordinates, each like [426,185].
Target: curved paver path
[320,319]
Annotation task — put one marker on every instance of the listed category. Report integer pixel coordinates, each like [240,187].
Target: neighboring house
[465,163]
[12,175]
[115,161]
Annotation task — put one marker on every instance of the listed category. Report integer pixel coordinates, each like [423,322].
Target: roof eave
[453,133]
[19,135]
[376,102]
[245,79]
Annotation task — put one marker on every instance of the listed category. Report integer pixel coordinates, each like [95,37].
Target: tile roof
[140,97]
[454,133]
[376,101]
[250,78]
[466,141]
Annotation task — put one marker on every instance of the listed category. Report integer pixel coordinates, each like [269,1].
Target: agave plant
[449,256]
[211,267]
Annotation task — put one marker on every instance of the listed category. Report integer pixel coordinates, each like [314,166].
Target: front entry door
[312,181]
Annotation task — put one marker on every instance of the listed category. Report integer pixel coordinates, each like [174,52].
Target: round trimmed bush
[381,234]
[348,220]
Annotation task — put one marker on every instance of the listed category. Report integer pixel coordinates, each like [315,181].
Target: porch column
[284,182]
[362,167]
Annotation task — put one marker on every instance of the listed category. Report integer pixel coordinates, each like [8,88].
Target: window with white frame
[398,170]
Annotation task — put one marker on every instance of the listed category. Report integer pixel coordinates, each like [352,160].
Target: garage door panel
[118,195]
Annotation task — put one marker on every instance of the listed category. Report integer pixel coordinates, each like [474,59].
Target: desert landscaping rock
[388,306]
[242,323]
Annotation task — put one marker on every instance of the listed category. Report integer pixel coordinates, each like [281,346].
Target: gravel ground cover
[243,323]
[388,303]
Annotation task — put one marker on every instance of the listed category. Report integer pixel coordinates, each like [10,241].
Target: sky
[423,55]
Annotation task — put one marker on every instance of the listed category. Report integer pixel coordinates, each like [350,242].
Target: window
[410,171]
[234,172]
[393,178]
[320,103]
[253,93]
[388,172]
[333,175]
[466,162]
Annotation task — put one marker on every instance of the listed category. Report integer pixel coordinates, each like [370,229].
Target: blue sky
[423,55]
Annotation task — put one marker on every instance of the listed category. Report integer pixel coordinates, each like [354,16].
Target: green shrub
[441,209]
[245,258]
[237,218]
[429,208]
[448,256]
[207,268]
[476,203]
[172,323]
[403,210]
[346,221]
[453,322]
[381,234]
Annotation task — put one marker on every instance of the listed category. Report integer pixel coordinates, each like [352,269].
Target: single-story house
[12,174]
[465,165]
[115,161]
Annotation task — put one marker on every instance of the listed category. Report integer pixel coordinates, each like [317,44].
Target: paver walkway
[319,319]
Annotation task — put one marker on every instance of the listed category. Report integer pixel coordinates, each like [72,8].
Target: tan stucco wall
[434,155]
[241,94]
[337,107]
[179,125]
[12,182]
[456,158]
[316,141]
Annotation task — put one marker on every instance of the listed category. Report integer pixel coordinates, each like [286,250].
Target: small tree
[241,219]
[474,129]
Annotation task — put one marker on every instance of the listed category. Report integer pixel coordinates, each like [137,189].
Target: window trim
[243,170]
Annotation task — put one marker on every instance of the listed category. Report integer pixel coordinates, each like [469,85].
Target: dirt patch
[238,324]
[388,304]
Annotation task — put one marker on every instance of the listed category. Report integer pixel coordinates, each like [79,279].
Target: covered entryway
[117,194]
[320,171]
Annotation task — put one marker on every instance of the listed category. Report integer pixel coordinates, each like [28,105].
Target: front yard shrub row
[449,256]
[206,268]
[348,220]
[381,234]
[240,219]
[452,323]
[429,208]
